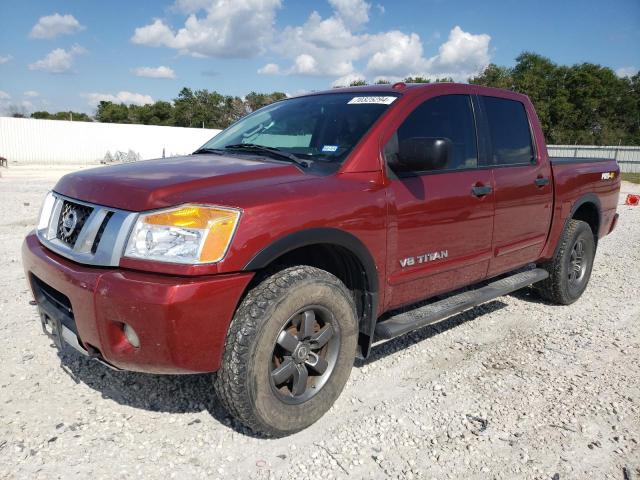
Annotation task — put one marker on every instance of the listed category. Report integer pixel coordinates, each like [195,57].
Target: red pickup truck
[270,254]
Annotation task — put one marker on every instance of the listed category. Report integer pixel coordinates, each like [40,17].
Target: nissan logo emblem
[69,222]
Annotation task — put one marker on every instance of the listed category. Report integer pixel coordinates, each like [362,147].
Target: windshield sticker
[330,148]
[369,100]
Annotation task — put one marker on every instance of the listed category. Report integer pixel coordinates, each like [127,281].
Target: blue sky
[59,55]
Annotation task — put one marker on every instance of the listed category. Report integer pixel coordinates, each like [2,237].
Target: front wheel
[289,351]
[570,268]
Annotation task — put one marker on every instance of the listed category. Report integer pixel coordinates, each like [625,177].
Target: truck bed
[576,179]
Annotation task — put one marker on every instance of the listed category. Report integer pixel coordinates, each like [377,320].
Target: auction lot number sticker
[376,100]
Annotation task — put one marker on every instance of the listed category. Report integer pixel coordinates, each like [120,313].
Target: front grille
[100,231]
[86,233]
[50,298]
[72,218]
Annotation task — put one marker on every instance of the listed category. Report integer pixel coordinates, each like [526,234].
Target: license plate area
[56,316]
[58,321]
[52,328]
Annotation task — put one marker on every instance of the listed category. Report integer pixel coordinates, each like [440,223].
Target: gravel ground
[515,388]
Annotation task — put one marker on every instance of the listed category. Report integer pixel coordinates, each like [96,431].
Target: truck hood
[152,184]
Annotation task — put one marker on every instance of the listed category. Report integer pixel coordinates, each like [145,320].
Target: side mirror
[424,153]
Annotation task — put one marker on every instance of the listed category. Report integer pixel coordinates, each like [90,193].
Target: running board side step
[434,312]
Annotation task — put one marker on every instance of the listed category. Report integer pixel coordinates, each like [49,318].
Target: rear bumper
[181,322]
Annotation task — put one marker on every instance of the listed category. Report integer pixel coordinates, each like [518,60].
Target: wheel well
[588,212]
[334,259]
[342,263]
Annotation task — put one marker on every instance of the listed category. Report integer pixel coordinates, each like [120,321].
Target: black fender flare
[331,236]
[587,198]
[581,200]
[311,236]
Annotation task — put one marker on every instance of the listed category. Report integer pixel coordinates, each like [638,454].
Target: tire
[570,268]
[273,338]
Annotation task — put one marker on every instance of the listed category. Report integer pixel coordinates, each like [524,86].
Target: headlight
[45,212]
[186,234]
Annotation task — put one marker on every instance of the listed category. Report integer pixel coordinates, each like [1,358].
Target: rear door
[440,216]
[522,179]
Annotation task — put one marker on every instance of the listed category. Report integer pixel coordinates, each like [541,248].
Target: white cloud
[354,13]
[461,56]
[334,46]
[54,25]
[5,99]
[190,6]
[31,94]
[125,97]
[156,34]
[346,80]
[396,52]
[269,69]
[320,47]
[306,65]
[58,60]
[23,106]
[5,59]
[154,72]
[242,28]
[626,71]
[462,52]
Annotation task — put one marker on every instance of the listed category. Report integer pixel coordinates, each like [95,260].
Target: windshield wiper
[254,147]
[217,151]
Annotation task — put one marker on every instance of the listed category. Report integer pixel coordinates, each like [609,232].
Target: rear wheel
[289,351]
[570,268]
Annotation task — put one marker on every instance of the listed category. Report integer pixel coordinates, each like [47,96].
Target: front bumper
[181,322]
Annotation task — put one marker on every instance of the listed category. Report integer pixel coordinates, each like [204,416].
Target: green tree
[632,120]
[494,76]
[204,109]
[68,115]
[109,112]
[417,79]
[185,108]
[41,115]
[158,113]
[583,103]
[254,100]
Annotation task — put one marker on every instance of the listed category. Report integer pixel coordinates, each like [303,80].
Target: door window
[509,131]
[444,123]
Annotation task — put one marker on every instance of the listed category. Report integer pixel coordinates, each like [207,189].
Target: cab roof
[402,88]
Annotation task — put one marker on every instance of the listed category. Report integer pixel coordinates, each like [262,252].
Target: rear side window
[449,117]
[509,131]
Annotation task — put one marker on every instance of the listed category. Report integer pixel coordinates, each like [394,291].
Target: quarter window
[509,131]
[445,120]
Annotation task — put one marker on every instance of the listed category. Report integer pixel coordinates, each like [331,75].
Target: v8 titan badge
[427,257]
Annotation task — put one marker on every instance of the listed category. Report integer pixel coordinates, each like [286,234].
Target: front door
[440,214]
[523,188]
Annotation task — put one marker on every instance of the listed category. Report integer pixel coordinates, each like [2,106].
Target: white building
[56,142]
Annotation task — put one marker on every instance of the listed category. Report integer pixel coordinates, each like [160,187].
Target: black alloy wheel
[304,354]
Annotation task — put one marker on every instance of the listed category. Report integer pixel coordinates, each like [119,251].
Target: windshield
[322,128]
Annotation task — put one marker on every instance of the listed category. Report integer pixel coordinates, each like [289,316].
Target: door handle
[481,190]
[541,181]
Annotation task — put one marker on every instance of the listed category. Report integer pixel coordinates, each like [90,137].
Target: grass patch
[631,177]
